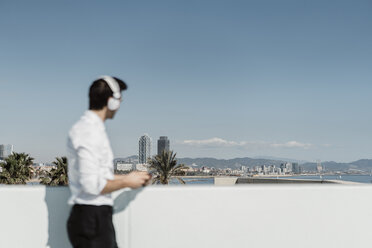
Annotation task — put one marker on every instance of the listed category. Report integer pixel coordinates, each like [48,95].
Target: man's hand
[136,179]
[132,180]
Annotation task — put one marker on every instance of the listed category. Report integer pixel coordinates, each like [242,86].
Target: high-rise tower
[163,144]
[5,151]
[144,149]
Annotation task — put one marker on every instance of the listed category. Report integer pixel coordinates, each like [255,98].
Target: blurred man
[91,169]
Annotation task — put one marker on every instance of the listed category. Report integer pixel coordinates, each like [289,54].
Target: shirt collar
[94,118]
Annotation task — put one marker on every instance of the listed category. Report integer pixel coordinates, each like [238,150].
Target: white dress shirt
[90,161]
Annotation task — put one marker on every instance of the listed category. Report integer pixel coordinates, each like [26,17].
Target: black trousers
[91,227]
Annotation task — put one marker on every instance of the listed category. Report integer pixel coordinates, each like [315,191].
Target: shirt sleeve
[91,180]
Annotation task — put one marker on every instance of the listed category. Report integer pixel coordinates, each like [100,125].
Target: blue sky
[220,78]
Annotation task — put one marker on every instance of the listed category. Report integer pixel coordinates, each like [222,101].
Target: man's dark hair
[100,92]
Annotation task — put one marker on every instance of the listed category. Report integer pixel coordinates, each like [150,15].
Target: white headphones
[113,102]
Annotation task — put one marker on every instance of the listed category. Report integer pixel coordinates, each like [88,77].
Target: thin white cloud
[210,142]
[218,142]
[292,144]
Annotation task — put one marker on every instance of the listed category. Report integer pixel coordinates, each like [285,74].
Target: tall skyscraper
[144,149]
[163,144]
[5,151]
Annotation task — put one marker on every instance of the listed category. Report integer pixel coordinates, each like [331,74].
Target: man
[91,170]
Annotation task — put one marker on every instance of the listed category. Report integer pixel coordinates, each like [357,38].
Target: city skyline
[223,79]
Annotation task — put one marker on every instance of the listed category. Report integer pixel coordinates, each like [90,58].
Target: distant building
[282,168]
[142,167]
[144,149]
[265,169]
[296,168]
[163,144]
[319,167]
[257,168]
[124,167]
[288,166]
[5,151]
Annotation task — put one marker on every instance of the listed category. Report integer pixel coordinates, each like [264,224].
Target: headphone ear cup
[113,104]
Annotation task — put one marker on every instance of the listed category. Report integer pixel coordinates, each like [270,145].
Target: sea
[196,180]
[350,178]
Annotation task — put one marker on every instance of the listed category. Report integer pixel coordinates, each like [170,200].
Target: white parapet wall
[254,216]
[225,181]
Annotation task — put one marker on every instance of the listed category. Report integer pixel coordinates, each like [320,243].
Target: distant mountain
[330,165]
[291,160]
[360,165]
[129,159]
[367,163]
[133,157]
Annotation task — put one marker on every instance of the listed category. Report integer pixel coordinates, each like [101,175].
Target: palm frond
[57,176]
[16,169]
[165,167]
[181,180]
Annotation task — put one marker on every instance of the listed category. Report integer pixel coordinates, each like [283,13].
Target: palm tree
[57,176]
[16,169]
[165,167]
